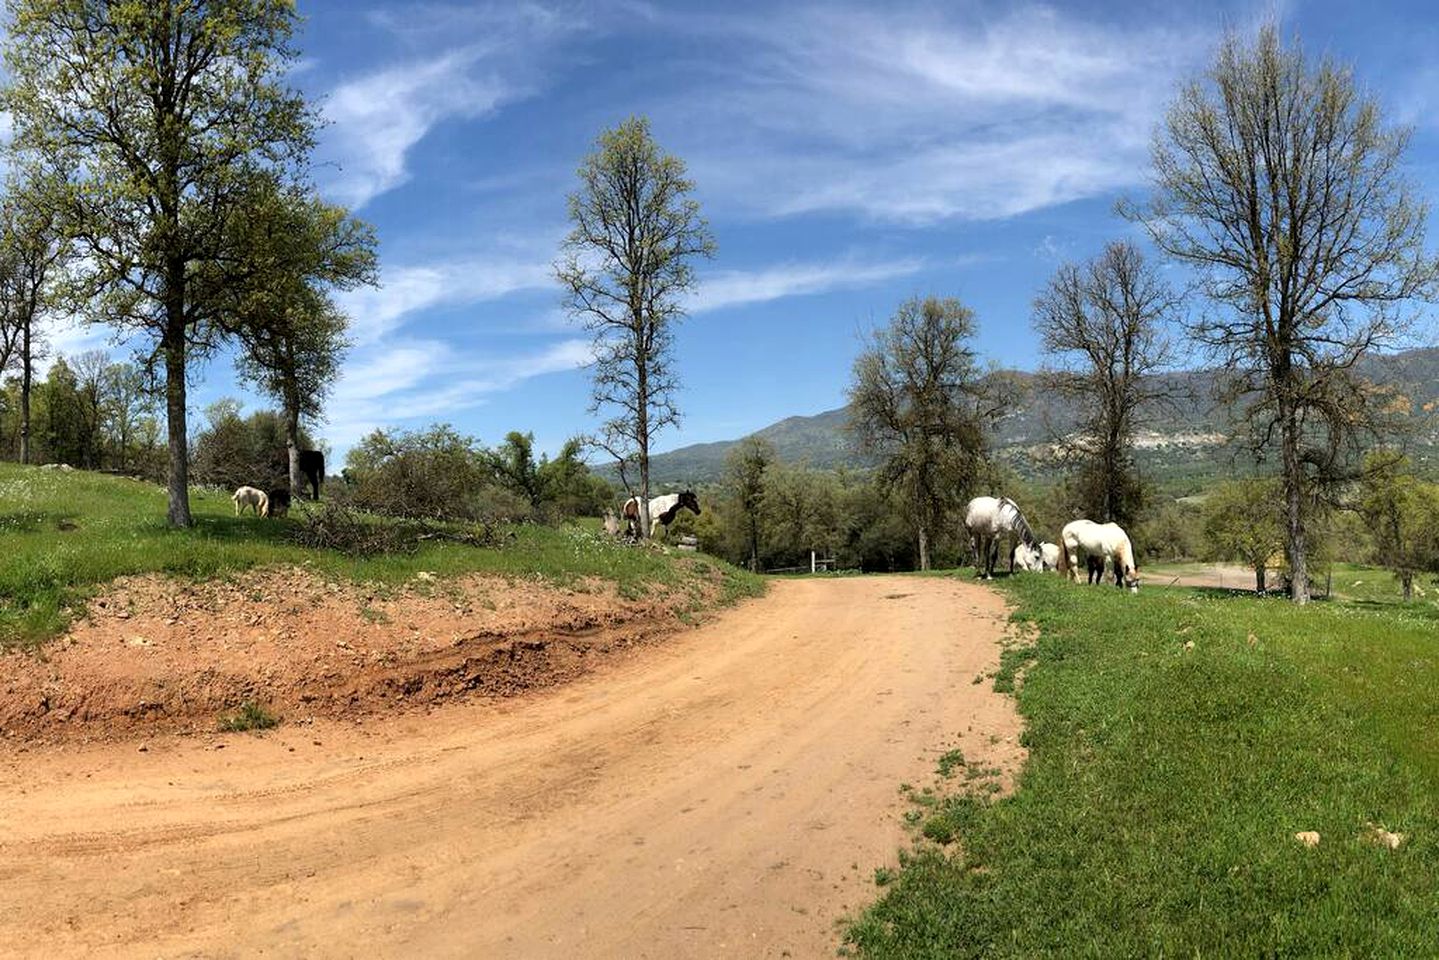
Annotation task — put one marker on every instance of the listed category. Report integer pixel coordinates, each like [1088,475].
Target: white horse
[1102,541]
[1035,560]
[989,518]
[662,510]
[256,500]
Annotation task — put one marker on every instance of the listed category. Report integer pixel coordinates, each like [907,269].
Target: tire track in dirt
[728,793]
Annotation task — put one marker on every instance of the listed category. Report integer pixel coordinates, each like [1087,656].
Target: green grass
[1156,813]
[63,534]
[251,716]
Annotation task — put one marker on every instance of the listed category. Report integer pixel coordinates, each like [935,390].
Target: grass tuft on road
[1157,812]
[64,533]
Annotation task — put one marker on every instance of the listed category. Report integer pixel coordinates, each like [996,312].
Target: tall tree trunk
[1407,579]
[642,437]
[1294,546]
[292,449]
[25,376]
[923,547]
[178,484]
[1259,585]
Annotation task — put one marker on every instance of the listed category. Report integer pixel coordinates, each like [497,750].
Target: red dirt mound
[162,654]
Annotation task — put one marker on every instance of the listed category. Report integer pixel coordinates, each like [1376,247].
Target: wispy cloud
[731,288]
[408,291]
[459,63]
[917,115]
[424,379]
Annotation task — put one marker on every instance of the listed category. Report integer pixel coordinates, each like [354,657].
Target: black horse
[312,465]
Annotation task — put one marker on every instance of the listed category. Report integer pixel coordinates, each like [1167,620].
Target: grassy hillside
[64,533]
[1178,741]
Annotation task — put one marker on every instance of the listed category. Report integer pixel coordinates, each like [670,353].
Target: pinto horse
[662,510]
[1096,543]
[989,518]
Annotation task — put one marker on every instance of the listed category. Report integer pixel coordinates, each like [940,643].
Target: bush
[335,526]
[250,716]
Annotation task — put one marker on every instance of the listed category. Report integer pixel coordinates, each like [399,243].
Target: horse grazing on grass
[989,518]
[278,504]
[252,498]
[662,510]
[1040,560]
[1098,542]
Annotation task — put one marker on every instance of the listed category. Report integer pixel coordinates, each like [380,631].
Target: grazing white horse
[1038,559]
[250,497]
[662,510]
[1102,541]
[989,518]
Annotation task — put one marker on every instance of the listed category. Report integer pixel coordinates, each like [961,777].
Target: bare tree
[1104,325]
[1278,181]
[915,401]
[626,269]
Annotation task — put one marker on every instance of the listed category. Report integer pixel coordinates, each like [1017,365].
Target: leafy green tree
[568,488]
[152,127]
[916,402]
[1278,181]
[302,250]
[745,468]
[33,251]
[515,468]
[1242,521]
[626,269]
[1403,514]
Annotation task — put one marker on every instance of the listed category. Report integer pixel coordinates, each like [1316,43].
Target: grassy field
[64,533]
[1157,812]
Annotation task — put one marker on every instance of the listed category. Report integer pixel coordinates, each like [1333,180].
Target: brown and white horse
[662,510]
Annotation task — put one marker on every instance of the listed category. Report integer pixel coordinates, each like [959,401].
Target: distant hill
[1188,439]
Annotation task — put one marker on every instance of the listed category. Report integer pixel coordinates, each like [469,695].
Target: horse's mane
[1022,525]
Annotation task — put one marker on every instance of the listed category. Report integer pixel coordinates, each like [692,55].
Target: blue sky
[846,155]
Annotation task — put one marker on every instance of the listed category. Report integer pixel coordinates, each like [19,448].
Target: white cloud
[423,379]
[409,290]
[731,288]
[462,63]
[914,115]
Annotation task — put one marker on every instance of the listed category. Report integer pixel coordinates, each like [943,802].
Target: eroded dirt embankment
[158,654]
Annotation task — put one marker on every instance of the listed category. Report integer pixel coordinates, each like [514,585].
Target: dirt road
[727,794]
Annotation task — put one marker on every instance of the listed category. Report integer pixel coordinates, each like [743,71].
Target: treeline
[440,474]
[89,412]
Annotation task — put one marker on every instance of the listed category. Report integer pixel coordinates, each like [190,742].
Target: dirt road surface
[727,794]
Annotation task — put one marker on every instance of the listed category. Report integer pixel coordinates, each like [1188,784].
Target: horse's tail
[1063,565]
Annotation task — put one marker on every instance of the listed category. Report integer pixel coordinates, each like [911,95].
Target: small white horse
[989,518]
[1102,541]
[612,523]
[250,497]
[662,510]
[1036,559]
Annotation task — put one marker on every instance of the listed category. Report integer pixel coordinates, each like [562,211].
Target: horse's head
[1028,556]
[1131,579]
[688,499]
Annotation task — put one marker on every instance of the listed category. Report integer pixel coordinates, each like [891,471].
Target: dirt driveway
[728,793]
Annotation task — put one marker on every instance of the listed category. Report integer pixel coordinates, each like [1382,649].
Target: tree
[1103,323]
[1402,512]
[626,269]
[32,253]
[568,488]
[515,468]
[1278,181]
[915,400]
[746,465]
[1242,522]
[153,125]
[294,333]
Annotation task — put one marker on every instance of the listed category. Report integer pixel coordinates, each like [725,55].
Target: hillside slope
[1181,443]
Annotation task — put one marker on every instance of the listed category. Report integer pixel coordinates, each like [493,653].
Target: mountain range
[1182,443]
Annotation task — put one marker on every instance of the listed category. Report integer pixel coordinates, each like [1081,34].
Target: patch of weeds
[250,716]
[372,615]
[950,761]
[883,876]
